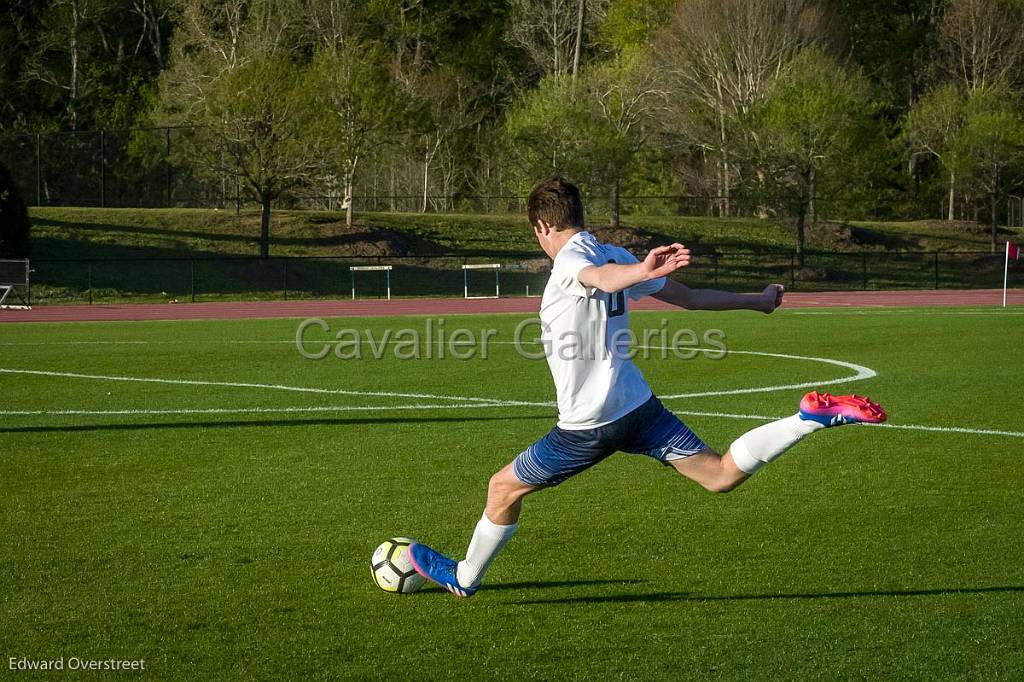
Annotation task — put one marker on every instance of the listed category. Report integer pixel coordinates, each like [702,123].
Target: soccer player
[604,403]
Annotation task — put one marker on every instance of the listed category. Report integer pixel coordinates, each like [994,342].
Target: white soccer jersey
[586,337]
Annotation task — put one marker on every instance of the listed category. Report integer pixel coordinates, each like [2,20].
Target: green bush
[14,225]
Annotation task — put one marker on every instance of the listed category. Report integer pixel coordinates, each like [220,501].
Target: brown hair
[557,202]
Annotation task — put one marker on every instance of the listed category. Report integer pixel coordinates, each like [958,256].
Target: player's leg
[496,527]
[505,493]
[717,473]
[551,460]
[762,445]
[661,435]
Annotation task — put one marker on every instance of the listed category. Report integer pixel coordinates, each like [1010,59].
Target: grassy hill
[83,254]
[83,233]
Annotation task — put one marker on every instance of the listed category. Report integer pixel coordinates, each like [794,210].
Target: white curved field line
[459,402]
[860,373]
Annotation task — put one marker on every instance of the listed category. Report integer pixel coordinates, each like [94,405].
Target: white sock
[488,539]
[757,447]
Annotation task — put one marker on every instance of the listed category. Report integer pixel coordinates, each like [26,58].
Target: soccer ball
[392,570]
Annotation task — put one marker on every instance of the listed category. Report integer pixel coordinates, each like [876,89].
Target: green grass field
[224,531]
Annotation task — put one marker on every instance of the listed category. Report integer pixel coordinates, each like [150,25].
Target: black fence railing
[327,277]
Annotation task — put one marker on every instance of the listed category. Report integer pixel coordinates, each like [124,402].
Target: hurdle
[482,266]
[14,275]
[386,269]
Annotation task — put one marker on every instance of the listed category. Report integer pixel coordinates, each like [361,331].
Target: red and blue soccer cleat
[435,566]
[835,410]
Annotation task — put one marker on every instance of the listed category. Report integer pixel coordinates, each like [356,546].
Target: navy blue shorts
[648,430]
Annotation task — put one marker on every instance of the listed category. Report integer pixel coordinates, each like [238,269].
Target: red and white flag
[1012,250]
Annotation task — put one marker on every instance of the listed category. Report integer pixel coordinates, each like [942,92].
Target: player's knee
[501,491]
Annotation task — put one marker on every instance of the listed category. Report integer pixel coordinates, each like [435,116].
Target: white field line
[861,373]
[906,427]
[242,410]
[154,342]
[466,402]
[271,387]
[950,429]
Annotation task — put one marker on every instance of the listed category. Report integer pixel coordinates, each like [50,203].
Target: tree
[232,75]
[983,42]
[60,56]
[592,136]
[630,24]
[354,108]
[993,142]
[551,31]
[152,16]
[91,62]
[893,42]
[817,120]
[445,104]
[720,57]
[543,131]
[935,126]
[620,100]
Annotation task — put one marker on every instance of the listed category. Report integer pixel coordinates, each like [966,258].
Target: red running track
[458,306]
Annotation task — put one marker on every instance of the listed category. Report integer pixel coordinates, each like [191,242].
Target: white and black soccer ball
[392,569]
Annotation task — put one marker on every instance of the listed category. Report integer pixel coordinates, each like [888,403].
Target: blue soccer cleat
[435,566]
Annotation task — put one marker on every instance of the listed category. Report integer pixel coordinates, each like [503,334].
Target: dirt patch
[371,241]
[841,237]
[636,240]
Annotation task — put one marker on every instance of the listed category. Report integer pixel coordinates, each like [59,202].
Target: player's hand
[772,296]
[664,260]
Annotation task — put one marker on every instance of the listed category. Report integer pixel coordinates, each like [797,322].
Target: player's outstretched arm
[613,277]
[678,294]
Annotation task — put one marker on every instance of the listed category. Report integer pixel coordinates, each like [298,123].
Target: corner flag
[1012,251]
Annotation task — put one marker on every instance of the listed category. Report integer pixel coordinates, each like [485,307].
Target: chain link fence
[211,279]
